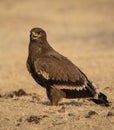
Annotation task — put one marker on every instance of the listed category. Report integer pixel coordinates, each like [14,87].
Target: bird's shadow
[46,103]
[71,103]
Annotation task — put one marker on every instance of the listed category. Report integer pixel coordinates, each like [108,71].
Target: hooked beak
[35,36]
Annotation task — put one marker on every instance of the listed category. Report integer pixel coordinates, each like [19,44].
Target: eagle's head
[37,34]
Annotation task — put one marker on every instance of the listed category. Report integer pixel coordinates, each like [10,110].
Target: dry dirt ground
[83,31]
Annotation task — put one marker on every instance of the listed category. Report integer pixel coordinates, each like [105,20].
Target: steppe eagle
[56,73]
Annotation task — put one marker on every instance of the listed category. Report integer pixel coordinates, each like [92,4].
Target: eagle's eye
[38,33]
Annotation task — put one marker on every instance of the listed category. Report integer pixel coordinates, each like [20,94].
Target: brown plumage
[60,77]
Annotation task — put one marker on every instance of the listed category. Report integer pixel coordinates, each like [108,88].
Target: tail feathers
[99,98]
[102,100]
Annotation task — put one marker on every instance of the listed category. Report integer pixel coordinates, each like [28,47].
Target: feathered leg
[55,95]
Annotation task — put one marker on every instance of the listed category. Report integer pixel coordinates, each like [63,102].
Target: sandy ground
[83,31]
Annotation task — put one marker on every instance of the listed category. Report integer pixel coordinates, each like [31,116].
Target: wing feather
[59,71]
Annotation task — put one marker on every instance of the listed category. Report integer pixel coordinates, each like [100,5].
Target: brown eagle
[60,77]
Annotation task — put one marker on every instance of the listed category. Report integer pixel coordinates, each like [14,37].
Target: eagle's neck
[38,49]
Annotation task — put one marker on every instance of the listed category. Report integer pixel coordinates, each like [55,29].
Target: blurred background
[81,30]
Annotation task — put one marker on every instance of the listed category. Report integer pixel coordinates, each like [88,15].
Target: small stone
[20,93]
[62,110]
[71,114]
[34,119]
[111,112]
[20,120]
[8,95]
[18,124]
[107,88]
[35,97]
[13,94]
[90,114]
